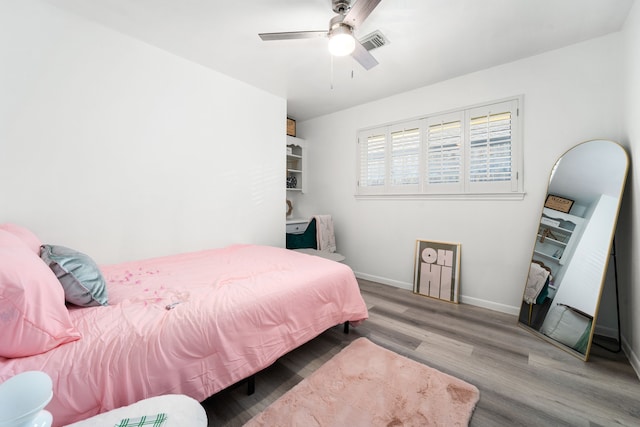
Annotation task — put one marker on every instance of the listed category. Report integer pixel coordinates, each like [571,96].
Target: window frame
[512,188]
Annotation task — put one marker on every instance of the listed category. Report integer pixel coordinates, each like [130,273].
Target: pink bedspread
[238,310]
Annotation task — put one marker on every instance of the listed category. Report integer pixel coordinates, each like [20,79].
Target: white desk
[297,225]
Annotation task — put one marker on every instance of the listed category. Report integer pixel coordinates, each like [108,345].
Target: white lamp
[23,398]
[341,41]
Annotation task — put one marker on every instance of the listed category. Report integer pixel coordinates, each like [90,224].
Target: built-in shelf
[296,164]
[556,234]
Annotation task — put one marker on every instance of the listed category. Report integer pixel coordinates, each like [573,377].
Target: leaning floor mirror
[573,245]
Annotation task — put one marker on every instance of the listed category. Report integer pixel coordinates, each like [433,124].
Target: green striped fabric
[146,420]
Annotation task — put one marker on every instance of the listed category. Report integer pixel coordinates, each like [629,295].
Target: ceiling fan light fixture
[341,41]
[349,16]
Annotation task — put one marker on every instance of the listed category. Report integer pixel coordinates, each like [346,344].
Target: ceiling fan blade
[292,35]
[360,11]
[362,55]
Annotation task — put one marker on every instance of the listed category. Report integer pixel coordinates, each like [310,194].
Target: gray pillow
[79,275]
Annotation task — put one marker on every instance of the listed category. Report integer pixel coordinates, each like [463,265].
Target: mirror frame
[610,243]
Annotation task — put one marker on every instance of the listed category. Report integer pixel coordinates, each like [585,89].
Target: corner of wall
[634,360]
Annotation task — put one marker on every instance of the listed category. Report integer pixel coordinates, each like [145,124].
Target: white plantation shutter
[490,152]
[444,138]
[405,157]
[372,146]
[472,151]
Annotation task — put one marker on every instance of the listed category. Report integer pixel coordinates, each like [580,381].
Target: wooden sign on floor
[437,270]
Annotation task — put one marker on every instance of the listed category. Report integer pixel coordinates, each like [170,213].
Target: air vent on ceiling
[374,40]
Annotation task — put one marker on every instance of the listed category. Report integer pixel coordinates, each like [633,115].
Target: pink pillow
[10,240]
[33,316]
[24,234]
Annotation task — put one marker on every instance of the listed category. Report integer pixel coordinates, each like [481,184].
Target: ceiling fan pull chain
[331,77]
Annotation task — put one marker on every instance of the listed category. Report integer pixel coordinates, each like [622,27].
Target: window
[373,158]
[404,163]
[443,166]
[467,152]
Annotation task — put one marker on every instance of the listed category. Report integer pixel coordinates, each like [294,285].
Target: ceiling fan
[340,33]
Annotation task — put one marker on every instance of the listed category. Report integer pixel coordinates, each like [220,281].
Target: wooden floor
[523,380]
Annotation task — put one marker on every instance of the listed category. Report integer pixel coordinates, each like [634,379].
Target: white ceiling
[430,40]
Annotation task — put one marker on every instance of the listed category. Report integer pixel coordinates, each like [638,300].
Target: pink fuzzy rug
[367,385]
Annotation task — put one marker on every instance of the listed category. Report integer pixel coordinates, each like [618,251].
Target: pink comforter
[236,311]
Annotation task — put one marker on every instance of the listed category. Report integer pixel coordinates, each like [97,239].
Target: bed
[191,324]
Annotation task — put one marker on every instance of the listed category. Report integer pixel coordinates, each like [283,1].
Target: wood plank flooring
[523,380]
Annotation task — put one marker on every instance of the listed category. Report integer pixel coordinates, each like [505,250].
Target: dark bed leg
[346,327]
[251,385]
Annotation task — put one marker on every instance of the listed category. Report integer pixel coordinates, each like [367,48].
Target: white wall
[114,147]
[628,235]
[570,95]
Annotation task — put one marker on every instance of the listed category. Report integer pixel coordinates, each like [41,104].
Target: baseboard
[606,331]
[633,358]
[384,281]
[502,308]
